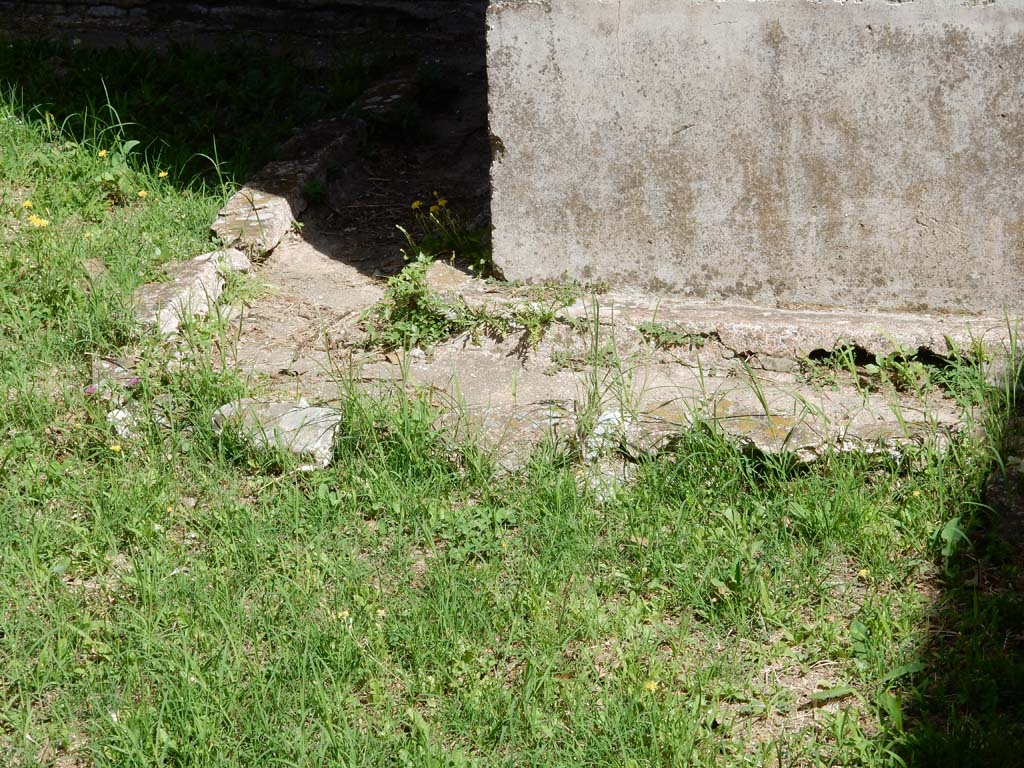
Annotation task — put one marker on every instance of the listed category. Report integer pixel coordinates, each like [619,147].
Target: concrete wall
[864,155]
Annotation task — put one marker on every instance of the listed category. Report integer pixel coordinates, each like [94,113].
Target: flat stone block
[192,289]
[256,221]
[799,154]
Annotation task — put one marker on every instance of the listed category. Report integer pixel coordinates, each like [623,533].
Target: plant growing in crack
[440,232]
[411,315]
[669,337]
[903,369]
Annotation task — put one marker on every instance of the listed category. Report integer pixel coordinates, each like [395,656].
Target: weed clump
[412,315]
[902,370]
[669,337]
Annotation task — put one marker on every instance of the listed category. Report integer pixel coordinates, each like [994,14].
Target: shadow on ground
[204,114]
[208,107]
[969,707]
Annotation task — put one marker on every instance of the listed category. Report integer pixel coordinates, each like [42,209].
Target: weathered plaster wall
[866,155]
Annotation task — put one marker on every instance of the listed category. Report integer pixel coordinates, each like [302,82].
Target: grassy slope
[175,600]
[187,106]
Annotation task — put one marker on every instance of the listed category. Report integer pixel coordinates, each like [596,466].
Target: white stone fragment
[605,436]
[125,423]
[229,260]
[304,430]
[255,221]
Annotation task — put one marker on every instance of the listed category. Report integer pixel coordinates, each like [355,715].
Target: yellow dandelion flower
[863,573]
[162,174]
[436,194]
[170,509]
[38,222]
[442,202]
[417,205]
[916,493]
[27,205]
[87,235]
[342,614]
[143,194]
[651,686]
[115,447]
[435,208]
[102,153]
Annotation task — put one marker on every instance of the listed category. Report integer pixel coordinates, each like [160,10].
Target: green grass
[177,600]
[204,114]
[411,314]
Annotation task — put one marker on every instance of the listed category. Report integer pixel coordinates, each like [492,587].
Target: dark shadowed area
[212,90]
[967,708]
[231,81]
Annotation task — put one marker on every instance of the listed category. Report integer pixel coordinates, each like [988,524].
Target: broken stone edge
[258,216]
[193,290]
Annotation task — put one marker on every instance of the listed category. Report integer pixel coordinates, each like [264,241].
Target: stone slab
[191,290]
[304,430]
[746,371]
[856,155]
[639,399]
[767,337]
[256,221]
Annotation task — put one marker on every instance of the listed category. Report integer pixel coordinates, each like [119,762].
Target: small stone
[125,423]
[256,221]
[777,364]
[304,430]
[605,437]
[230,260]
[444,278]
[112,377]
